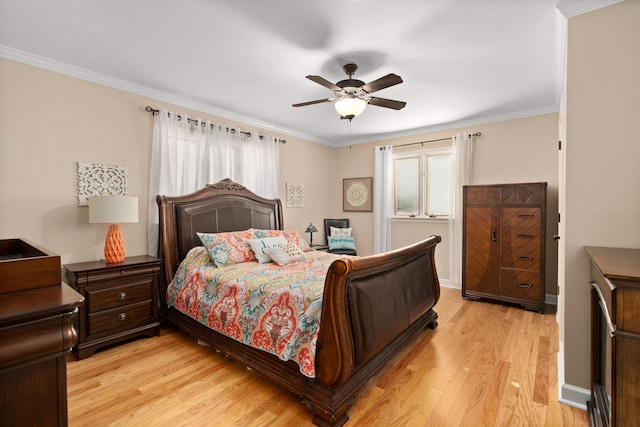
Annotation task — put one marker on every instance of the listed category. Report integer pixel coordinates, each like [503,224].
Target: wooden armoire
[503,256]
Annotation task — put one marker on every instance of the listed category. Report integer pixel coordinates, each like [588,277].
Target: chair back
[338,223]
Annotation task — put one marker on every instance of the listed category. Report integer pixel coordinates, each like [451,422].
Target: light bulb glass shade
[311,229]
[350,106]
[113,209]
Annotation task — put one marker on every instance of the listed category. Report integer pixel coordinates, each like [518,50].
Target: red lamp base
[114,249]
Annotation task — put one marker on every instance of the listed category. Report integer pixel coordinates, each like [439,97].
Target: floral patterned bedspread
[276,309]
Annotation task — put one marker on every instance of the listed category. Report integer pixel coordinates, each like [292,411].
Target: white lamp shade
[350,106]
[113,209]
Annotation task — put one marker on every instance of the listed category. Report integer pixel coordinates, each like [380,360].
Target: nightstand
[324,248]
[121,301]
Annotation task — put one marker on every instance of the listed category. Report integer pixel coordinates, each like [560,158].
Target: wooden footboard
[371,307]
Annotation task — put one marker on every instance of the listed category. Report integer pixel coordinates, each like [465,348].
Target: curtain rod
[433,140]
[155,112]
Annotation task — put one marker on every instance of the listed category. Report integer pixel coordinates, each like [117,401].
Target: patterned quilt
[269,307]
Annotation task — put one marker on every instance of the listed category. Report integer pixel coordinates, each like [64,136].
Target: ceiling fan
[352,95]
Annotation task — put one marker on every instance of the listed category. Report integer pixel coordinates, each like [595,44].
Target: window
[422,184]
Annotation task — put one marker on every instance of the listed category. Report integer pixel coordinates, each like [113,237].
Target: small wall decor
[357,195]
[97,179]
[295,195]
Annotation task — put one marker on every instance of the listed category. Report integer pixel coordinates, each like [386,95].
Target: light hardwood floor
[485,365]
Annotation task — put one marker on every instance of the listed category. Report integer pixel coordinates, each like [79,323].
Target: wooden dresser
[36,334]
[121,301]
[615,337]
[503,255]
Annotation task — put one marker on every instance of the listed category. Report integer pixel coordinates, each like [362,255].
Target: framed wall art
[295,195]
[357,194]
[97,179]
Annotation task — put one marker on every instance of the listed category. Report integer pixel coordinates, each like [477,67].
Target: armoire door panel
[482,272]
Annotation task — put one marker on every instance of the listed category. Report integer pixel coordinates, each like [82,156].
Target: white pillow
[340,232]
[286,254]
[258,246]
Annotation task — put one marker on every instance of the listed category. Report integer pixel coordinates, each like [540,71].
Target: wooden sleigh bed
[371,306]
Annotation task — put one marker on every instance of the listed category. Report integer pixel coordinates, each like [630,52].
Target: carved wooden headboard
[220,207]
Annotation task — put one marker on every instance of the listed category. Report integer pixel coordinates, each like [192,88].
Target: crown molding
[571,8]
[455,125]
[171,98]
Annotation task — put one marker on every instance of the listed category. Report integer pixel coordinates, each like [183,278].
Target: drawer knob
[526,236]
[122,295]
[525,285]
[525,258]
[123,316]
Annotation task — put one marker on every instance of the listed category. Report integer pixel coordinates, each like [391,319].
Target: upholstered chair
[337,223]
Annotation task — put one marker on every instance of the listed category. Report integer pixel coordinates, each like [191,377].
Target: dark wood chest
[504,243]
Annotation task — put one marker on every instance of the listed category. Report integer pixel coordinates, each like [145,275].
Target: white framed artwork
[295,195]
[97,179]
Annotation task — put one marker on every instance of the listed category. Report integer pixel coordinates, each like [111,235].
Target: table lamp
[311,229]
[113,210]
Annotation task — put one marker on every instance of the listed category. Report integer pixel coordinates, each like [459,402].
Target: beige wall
[602,153]
[49,122]
[519,150]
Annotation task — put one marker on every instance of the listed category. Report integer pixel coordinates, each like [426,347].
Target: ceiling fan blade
[387,103]
[382,83]
[324,82]
[317,101]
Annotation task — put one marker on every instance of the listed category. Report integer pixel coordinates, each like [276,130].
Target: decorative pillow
[260,245]
[291,236]
[340,232]
[228,248]
[341,243]
[285,254]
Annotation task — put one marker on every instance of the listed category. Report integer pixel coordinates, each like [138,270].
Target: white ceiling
[463,62]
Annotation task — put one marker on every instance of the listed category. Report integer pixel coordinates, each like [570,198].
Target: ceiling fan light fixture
[350,106]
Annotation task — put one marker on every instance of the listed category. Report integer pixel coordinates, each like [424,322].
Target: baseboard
[574,396]
[569,394]
[551,299]
[446,283]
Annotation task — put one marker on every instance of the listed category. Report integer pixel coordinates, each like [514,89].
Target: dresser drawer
[123,272]
[121,318]
[119,295]
[520,284]
[521,237]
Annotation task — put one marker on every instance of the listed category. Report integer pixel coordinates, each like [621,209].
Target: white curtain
[461,174]
[189,153]
[383,198]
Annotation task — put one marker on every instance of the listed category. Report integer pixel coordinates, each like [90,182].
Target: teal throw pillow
[341,243]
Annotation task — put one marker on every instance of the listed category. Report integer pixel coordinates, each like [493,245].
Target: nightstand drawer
[125,317]
[117,296]
[119,273]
